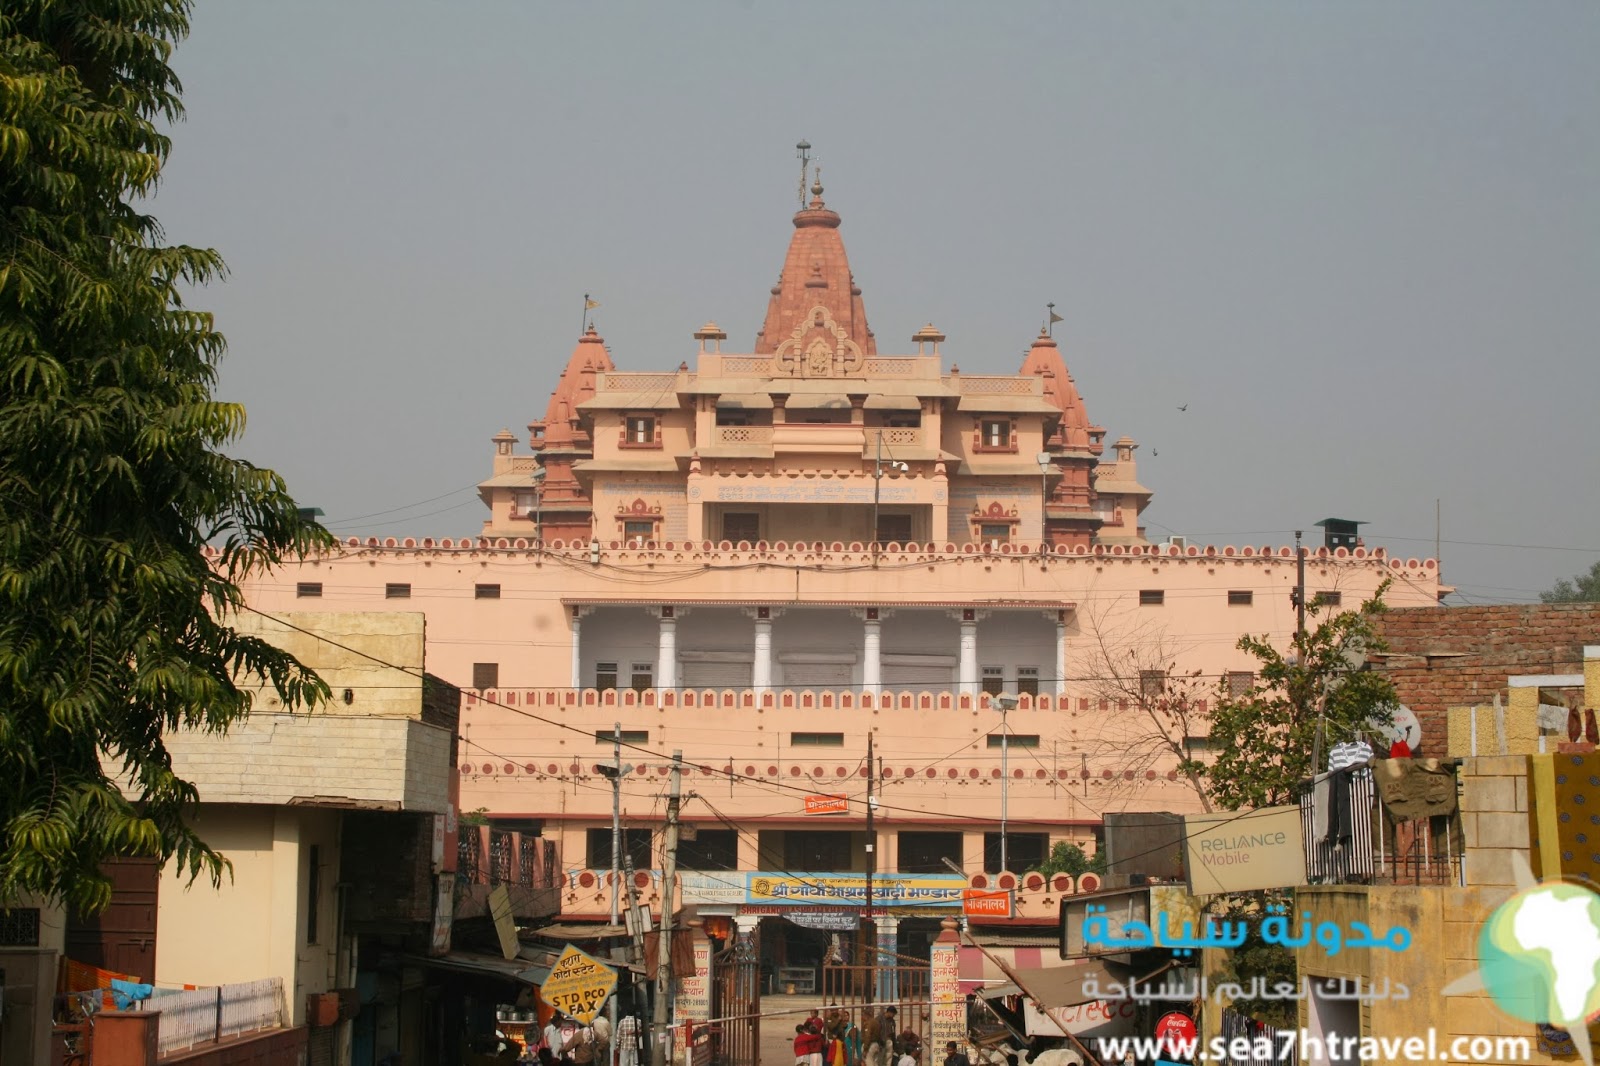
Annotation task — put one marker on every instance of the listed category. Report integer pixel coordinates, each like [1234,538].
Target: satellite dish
[1403,725]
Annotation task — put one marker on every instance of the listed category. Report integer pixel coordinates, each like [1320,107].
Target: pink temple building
[761,558]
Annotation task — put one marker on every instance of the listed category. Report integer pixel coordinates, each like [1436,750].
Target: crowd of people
[568,1042]
[834,1039]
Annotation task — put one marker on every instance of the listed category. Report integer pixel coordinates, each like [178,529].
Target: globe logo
[1539,955]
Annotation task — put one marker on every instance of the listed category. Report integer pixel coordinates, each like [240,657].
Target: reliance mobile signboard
[1244,851]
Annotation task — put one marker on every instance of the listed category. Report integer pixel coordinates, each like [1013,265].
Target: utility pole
[867,928]
[616,842]
[616,771]
[669,871]
[1299,588]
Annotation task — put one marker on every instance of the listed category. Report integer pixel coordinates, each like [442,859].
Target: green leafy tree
[1068,858]
[1264,738]
[1582,588]
[113,622]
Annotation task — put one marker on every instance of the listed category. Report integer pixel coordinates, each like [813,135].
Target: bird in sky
[1154,453]
[1183,407]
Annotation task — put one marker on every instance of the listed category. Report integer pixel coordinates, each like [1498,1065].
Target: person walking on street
[628,1040]
[871,1038]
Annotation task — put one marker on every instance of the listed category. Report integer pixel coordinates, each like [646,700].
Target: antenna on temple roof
[803,150]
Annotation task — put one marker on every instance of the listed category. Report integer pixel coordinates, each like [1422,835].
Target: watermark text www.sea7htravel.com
[1306,1046]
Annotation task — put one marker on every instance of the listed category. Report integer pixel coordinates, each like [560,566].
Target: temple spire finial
[816,186]
[803,150]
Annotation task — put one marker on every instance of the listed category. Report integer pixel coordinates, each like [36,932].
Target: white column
[1061,658]
[761,669]
[967,678]
[872,656]
[667,651]
[577,653]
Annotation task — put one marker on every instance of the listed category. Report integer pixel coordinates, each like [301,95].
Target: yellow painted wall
[254,925]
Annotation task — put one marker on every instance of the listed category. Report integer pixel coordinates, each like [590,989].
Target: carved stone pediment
[817,348]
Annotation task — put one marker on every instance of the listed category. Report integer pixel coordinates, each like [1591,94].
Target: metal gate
[736,1002]
[899,981]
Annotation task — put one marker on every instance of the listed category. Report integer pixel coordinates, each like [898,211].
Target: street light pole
[1043,459]
[538,505]
[616,771]
[1005,703]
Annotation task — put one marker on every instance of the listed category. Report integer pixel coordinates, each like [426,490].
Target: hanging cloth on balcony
[1340,828]
[1416,788]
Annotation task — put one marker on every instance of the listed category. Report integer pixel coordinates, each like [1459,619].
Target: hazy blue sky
[1360,240]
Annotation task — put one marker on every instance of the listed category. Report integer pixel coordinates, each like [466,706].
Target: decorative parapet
[783,551]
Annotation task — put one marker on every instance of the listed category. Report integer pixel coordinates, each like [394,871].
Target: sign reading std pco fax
[1241,852]
[578,985]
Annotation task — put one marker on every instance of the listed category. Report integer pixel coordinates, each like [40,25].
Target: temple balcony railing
[770,699]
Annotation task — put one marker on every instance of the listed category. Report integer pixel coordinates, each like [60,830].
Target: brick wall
[1460,656]
[387,860]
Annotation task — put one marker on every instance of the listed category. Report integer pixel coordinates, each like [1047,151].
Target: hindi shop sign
[1242,852]
[986,903]
[828,804]
[579,985]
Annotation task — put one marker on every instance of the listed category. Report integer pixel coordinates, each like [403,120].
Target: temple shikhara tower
[814,436]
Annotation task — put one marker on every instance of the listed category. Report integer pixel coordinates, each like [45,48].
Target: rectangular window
[306,589]
[485,592]
[638,532]
[727,417]
[924,852]
[995,533]
[994,680]
[1240,682]
[605,676]
[629,736]
[1152,597]
[644,677]
[641,431]
[635,844]
[397,591]
[1028,680]
[1152,683]
[1331,599]
[907,420]
[1018,740]
[1024,851]
[741,525]
[485,675]
[817,740]
[1193,746]
[823,850]
[995,433]
[313,890]
[894,528]
[19,927]
[711,849]
[1240,597]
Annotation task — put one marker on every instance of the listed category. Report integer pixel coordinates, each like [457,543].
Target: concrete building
[339,826]
[769,557]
